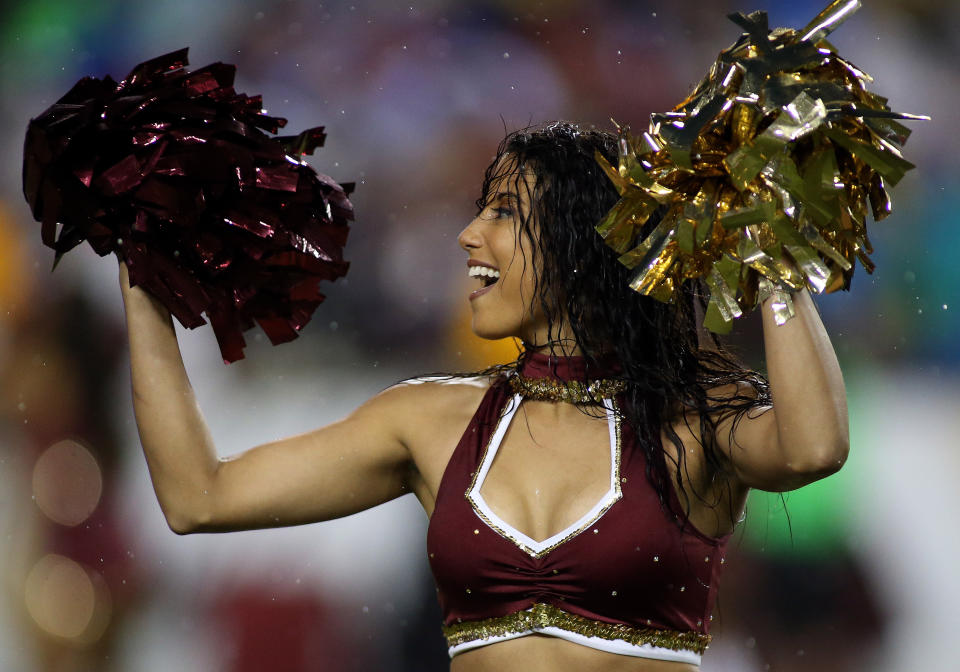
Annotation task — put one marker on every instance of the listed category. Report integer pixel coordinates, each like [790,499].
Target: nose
[470,238]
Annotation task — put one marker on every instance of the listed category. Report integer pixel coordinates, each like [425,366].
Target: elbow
[182,522]
[189,510]
[825,460]
[181,525]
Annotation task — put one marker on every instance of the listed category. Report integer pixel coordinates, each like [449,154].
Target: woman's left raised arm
[805,436]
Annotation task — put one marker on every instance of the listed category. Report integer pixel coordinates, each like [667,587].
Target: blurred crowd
[850,574]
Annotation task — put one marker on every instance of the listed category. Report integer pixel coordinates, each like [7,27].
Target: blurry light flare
[66,600]
[67,483]
[16,280]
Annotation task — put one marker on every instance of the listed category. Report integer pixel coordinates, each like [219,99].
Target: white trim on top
[523,541]
[617,646]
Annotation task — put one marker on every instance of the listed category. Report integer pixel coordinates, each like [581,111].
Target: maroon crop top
[625,578]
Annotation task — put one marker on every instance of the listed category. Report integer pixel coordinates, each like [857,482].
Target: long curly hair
[669,364]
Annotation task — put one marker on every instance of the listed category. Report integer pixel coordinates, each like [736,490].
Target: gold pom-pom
[762,177]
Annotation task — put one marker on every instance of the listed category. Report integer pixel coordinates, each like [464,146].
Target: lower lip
[481,291]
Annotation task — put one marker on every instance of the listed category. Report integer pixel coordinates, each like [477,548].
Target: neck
[566,368]
[562,347]
[551,338]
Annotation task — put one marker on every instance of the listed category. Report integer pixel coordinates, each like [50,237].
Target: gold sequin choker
[570,391]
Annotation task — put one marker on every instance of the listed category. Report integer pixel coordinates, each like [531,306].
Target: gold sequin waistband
[546,615]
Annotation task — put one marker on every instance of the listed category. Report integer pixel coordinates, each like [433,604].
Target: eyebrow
[506,195]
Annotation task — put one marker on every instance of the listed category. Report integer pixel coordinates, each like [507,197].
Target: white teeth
[478,271]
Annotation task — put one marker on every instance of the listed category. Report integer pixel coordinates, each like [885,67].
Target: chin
[492,332]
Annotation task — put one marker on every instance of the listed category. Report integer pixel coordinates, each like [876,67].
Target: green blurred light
[42,34]
[815,520]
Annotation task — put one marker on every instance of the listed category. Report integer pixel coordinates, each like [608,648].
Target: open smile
[487,274]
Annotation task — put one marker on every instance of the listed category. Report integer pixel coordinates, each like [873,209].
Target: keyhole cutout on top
[542,482]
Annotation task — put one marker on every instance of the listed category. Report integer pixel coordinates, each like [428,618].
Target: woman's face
[502,262]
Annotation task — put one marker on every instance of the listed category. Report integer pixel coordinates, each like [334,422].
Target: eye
[504,211]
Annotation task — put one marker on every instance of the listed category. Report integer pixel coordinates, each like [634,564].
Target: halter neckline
[537,365]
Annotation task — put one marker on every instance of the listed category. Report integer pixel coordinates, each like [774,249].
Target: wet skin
[553,465]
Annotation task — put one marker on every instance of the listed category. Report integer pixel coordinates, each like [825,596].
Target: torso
[447,407]
[552,466]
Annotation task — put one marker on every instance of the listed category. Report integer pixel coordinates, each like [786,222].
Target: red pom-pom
[172,170]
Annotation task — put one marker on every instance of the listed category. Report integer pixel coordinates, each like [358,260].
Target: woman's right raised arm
[334,471]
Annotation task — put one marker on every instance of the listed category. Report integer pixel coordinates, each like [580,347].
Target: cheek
[519,292]
[528,276]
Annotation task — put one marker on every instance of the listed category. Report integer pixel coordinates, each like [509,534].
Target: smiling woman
[580,498]
[502,250]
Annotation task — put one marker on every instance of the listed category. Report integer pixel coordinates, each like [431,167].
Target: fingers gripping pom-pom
[175,172]
[767,170]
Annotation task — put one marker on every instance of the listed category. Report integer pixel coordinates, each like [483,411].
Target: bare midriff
[540,653]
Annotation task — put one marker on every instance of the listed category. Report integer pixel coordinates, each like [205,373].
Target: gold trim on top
[545,616]
[617,491]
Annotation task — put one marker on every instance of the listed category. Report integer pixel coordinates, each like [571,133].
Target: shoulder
[746,390]
[720,403]
[436,398]
[730,413]
[445,382]
[721,410]
[430,415]
[440,388]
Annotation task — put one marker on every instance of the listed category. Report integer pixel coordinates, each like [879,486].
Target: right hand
[137,301]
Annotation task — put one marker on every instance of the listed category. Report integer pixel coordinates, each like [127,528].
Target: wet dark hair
[672,367]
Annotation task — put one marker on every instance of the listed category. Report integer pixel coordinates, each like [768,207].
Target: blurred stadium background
[858,574]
